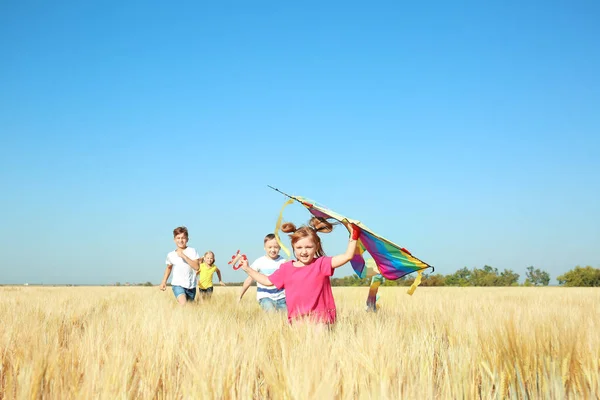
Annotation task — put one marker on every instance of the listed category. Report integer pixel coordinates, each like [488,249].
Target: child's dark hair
[314,225]
[179,230]
[270,236]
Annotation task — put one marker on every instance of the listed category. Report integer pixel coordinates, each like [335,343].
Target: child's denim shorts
[272,305]
[190,294]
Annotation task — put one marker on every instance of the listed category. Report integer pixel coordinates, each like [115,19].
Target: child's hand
[179,252]
[354,231]
[162,286]
[244,264]
[236,258]
[222,283]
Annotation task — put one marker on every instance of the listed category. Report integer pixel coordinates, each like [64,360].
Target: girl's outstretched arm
[257,276]
[341,259]
[219,276]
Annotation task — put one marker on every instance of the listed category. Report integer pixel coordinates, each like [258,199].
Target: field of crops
[136,342]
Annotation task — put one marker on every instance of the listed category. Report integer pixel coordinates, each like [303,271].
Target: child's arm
[218,271]
[257,276]
[341,259]
[163,284]
[245,287]
[195,264]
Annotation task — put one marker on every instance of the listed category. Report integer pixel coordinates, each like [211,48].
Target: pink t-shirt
[307,289]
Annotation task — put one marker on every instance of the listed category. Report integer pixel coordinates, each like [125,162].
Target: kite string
[278,226]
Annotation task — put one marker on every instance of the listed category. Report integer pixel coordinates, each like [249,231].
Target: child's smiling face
[272,248]
[305,250]
[181,240]
[209,259]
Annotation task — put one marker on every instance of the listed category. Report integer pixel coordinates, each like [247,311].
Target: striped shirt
[266,266]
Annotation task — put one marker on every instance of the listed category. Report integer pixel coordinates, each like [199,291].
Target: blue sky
[468,133]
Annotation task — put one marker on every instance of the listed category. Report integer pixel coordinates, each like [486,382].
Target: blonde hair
[209,252]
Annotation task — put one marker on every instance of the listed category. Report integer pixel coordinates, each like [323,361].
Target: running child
[269,298]
[184,264]
[306,280]
[205,276]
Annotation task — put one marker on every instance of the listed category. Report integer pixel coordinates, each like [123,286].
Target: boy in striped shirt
[269,297]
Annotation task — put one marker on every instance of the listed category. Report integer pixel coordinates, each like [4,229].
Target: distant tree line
[579,276]
[487,276]
[136,284]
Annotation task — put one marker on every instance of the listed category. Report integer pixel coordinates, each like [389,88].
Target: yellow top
[205,276]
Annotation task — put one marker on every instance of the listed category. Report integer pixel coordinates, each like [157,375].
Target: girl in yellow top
[205,275]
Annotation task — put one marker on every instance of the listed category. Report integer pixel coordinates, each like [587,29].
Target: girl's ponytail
[288,227]
[320,225]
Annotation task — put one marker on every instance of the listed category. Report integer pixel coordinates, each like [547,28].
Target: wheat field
[441,343]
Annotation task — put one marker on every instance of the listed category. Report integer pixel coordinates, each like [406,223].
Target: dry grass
[107,343]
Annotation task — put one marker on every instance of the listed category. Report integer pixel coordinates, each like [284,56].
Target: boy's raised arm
[195,264]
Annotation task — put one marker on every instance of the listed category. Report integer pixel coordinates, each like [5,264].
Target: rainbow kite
[391,260]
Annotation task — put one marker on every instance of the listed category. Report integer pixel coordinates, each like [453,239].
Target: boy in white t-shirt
[269,297]
[184,262]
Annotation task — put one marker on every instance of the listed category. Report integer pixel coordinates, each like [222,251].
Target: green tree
[352,280]
[536,277]
[487,276]
[433,280]
[459,278]
[579,276]
[398,282]
[508,278]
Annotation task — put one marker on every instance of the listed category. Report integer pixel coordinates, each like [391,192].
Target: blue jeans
[190,294]
[272,305]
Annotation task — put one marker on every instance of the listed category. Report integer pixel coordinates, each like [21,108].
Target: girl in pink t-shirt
[306,279]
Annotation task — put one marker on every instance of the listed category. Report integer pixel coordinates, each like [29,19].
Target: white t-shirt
[183,274]
[266,266]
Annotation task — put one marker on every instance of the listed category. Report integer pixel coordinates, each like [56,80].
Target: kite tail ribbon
[278,226]
[416,283]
